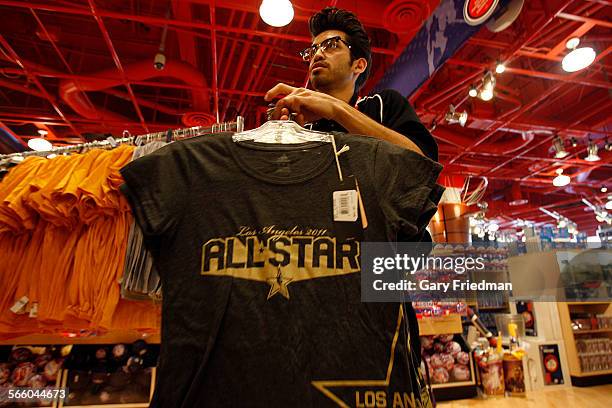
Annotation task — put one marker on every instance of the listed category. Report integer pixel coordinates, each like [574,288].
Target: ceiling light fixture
[473,92]
[561,180]
[560,151]
[452,116]
[277,13]
[578,58]
[40,145]
[488,85]
[604,189]
[573,141]
[608,145]
[592,151]
[500,68]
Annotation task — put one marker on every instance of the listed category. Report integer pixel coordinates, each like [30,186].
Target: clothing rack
[110,142]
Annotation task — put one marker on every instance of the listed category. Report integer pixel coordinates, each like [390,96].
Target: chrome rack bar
[177,134]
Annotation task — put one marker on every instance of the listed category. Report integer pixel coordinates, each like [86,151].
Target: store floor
[571,397]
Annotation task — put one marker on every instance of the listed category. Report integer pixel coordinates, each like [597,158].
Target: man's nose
[317,57]
[318,54]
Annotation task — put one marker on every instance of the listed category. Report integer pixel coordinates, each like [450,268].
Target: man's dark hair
[332,18]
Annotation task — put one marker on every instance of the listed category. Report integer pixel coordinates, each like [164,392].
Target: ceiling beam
[117,62]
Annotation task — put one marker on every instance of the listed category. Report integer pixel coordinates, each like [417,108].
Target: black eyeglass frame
[309,52]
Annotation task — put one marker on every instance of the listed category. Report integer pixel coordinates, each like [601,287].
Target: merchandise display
[232,258]
[282,203]
[447,360]
[57,210]
[30,367]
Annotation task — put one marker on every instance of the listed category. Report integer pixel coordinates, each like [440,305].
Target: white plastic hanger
[283,132]
[289,132]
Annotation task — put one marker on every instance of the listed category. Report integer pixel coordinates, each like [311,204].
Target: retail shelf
[592,373]
[118,336]
[453,384]
[493,307]
[593,331]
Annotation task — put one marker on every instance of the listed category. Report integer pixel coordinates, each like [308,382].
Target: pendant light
[40,144]
[277,13]
[561,180]
[578,58]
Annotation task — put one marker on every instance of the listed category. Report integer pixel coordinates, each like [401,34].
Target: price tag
[345,205]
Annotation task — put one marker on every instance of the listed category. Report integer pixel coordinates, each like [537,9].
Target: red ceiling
[83,68]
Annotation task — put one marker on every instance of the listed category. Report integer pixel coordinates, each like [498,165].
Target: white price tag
[345,205]
[19,306]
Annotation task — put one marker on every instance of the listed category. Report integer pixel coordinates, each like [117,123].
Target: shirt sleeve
[154,184]
[407,189]
[400,116]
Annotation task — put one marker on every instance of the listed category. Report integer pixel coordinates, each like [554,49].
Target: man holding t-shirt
[339,64]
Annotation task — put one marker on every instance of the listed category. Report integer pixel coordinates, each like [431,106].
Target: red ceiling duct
[198,119]
[70,90]
[405,16]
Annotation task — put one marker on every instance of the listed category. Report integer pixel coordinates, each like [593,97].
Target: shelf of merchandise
[458,389]
[114,337]
[592,331]
[579,377]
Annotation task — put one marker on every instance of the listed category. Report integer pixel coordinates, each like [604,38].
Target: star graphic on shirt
[279,285]
[352,392]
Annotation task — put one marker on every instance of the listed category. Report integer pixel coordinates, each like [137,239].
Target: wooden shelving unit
[113,337]
[566,309]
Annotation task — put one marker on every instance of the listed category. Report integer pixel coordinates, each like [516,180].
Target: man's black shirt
[389,108]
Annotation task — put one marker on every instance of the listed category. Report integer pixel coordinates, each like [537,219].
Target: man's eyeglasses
[326,45]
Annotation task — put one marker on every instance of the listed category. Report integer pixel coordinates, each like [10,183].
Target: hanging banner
[441,36]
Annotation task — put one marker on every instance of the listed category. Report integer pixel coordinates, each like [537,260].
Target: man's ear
[359,65]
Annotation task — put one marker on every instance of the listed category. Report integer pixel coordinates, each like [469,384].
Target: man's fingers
[277,90]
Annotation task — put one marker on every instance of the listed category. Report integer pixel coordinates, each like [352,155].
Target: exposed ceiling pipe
[138,71]
[506,146]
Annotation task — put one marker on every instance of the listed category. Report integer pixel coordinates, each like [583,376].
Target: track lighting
[560,151]
[604,189]
[500,68]
[452,116]
[488,85]
[473,92]
[592,151]
[578,58]
[573,141]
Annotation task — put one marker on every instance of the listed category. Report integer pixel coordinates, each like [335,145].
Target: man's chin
[318,81]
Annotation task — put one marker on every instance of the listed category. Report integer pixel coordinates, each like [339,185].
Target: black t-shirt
[392,110]
[261,303]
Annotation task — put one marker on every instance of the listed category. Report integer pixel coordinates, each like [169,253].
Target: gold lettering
[358,403]
[381,399]
[409,400]
[248,231]
[397,400]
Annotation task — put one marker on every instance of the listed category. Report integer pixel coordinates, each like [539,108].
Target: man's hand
[307,104]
